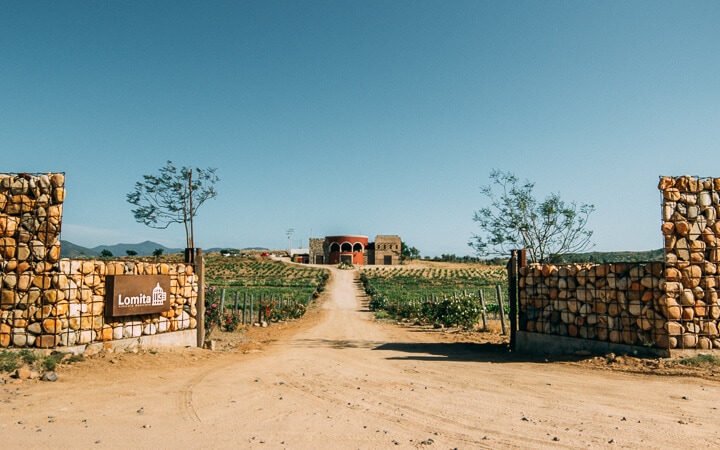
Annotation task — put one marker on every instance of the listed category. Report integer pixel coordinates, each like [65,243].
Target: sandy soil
[338,379]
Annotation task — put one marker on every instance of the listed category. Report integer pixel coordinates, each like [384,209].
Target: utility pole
[289,233]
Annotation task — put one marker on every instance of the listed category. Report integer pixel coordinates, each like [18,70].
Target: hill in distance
[70,250]
[616,257]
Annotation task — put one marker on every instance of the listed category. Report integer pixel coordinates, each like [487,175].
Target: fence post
[235,308]
[200,304]
[252,304]
[260,309]
[498,293]
[222,303]
[244,308]
[481,294]
[512,297]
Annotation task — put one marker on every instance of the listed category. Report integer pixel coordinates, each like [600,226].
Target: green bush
[289,310]
[213,315]
[50,362]
[232,320]
[377,302]
[700,361]
[9,361]
[461,311]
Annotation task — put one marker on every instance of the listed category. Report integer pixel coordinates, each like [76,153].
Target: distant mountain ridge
[70,250]
[617,257]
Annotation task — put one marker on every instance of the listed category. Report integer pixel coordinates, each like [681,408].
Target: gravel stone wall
[669,305]
[49,302]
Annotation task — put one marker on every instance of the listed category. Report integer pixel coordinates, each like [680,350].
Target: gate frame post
[518,259]
[512,297]
[199,263]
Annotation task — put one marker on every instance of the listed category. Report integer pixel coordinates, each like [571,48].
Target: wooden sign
[129,295]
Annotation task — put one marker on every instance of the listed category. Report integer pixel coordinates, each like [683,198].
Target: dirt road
[344,381]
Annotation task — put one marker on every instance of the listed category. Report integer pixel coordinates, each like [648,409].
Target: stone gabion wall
[618,303]
[46,301]
[68,308]
[690,212]
[669,305]
[30,220]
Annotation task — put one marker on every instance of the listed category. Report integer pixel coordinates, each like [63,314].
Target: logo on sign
[159,296]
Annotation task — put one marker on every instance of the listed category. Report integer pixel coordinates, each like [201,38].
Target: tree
[409,252]
[157,253]
[173,196]
[515,219]
[131,252]
[105,253]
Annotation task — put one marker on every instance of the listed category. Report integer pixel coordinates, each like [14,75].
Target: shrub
[266,308]
[377,302]
[50,362]
[213,315]
[289,310]
[232,320]
[28,356]
[461,311]
[700,361]
[9,361]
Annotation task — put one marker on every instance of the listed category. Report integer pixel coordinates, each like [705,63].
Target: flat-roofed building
[356,250]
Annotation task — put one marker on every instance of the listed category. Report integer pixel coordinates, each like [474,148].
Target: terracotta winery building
[356,250]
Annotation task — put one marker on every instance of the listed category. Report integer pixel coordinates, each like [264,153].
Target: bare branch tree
[173,196]
[515,219]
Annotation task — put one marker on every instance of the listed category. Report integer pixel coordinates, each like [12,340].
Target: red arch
[347,247]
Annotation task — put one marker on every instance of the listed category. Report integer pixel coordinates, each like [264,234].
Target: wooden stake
[484,309]
[498,292]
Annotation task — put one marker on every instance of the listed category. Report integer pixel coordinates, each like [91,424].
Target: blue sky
[360,117]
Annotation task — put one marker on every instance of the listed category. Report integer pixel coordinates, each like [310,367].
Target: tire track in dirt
[185,399]
[371,412]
